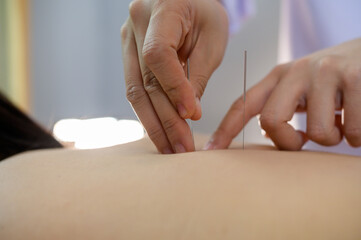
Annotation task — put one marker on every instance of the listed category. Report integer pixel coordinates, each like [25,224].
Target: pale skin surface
[131,192]
[161,34]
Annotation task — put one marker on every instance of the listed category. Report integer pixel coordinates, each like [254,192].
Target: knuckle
[353,135]
[238,105]
[152,51]
[201,84]
[155,133]
[268,122]
[327,64]
[151,83]
[279,69]
[300,65]
[135,94]
[276,73]
[172,89]
[318,133]
[160,2]
[170,124]
[352,77]
[136,8]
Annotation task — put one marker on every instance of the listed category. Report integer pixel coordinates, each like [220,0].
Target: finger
[321,106]
[136,94]
[351,105]
[203,62]
[167,30]
[175,128]
[206,56]
[235,120]
[280,108]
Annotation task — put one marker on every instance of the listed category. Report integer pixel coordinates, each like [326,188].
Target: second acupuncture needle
[244,95]
[189,121]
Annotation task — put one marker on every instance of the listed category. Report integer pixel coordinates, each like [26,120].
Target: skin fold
[131,192]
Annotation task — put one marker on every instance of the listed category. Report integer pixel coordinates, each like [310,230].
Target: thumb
[199,75]
[204,60]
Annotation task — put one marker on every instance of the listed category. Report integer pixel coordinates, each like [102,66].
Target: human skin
[318,84]
[157,39]
[131,192]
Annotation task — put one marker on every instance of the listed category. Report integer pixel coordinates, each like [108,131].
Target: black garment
[18,133]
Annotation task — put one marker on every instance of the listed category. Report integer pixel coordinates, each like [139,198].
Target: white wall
[259,36]
[77,69]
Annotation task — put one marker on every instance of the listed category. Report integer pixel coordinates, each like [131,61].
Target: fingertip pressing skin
[234,121]
[218,140]
[229,127]
[136,93]
[154,67]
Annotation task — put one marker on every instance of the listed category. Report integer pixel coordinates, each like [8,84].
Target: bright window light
[97,132]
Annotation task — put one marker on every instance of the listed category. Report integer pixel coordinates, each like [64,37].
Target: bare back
[131,192]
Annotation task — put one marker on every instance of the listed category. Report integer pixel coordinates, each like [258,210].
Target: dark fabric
[18,133]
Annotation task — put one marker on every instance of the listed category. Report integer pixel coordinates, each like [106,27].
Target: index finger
[235,120]
[137,95]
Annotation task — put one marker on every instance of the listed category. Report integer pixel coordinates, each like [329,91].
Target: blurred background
[62,59]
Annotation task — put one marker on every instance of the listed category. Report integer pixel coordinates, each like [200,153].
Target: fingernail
[182,110]
[198,105]
[179,148]
[167,151]
[198,102]
[209,146]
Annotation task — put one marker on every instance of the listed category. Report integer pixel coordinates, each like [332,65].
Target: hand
[157,39]
[318,84]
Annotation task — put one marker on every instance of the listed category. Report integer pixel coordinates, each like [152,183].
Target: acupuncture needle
[244,94]
[189,121]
